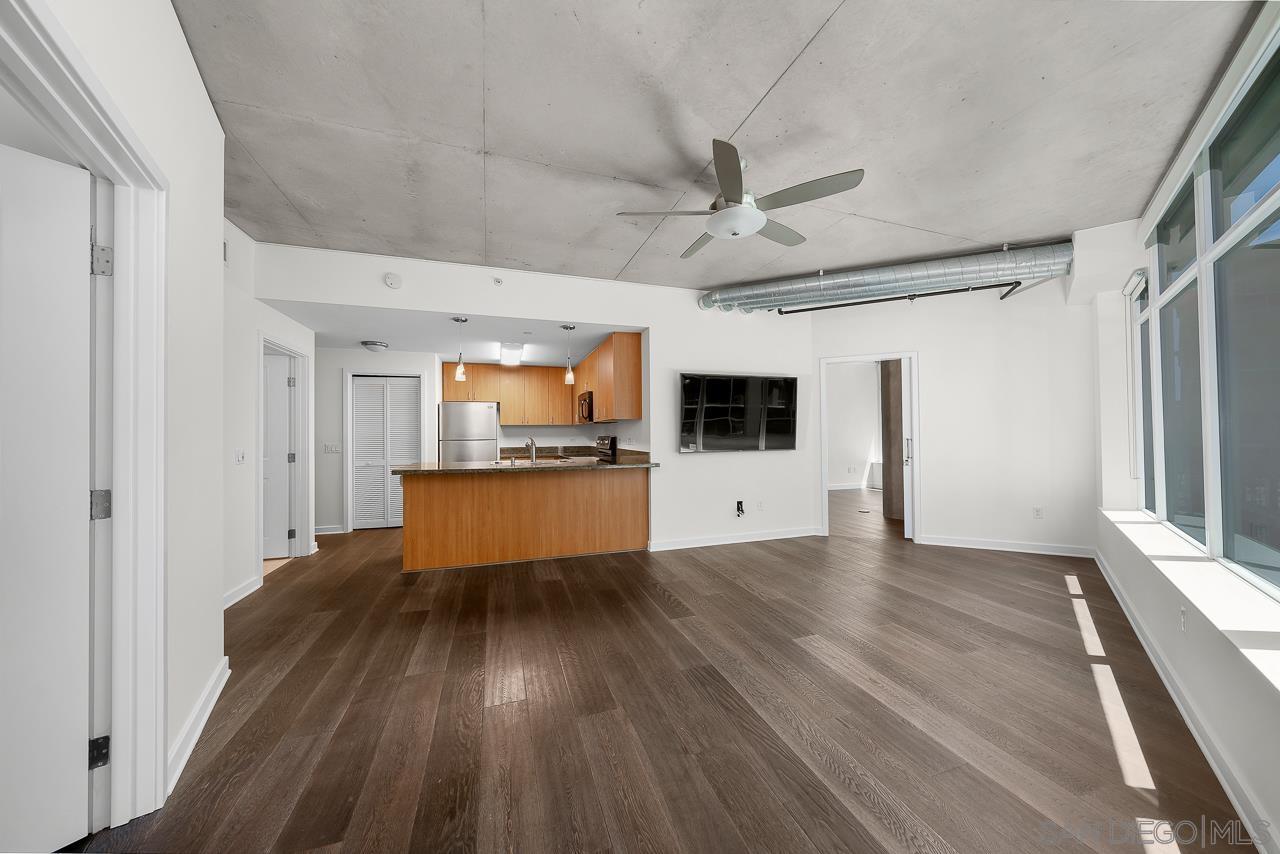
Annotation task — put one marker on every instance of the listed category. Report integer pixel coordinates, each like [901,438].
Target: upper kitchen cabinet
[612,373]
[482,382]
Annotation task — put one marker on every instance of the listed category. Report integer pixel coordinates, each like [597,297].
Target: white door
[44,502]
[276,433]
[404,437]
[908,448]
[386,431]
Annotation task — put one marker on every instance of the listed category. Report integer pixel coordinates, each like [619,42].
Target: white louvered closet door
[404,437]
[369,452]
[386,431]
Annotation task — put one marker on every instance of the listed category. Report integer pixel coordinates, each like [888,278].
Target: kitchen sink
[548,460]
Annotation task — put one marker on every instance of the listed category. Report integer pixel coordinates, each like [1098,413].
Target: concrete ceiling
[479,339]
[509,132]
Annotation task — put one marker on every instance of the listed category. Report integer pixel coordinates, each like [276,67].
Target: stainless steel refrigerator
[468,431]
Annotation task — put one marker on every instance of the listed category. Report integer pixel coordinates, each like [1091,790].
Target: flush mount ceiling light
[374,346]
[568,352]
[511,354]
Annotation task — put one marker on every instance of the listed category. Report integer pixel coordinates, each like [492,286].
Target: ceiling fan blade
[779,233]
[696,245]
[818,188]
[665,213]
[728,170]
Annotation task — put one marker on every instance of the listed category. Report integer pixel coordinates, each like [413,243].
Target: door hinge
[293,534]
[99,504]
[101,259]
[293,458]
[99,751]
[293,381]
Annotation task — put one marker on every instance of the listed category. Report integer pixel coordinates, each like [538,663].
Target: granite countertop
[626,460]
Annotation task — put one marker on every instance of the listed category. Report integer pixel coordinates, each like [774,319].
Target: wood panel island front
[466,514]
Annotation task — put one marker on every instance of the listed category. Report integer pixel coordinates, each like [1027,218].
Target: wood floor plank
[384,814]
[448,809]
[856,693]
[634,810]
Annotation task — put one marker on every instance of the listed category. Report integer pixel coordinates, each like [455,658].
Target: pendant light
[568,352]
[459,372]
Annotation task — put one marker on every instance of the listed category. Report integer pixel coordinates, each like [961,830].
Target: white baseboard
[1237,792]
[726,539]
[315,547]
[181,749]
[834,486]
[235,594]
[1008,546]
[330,529]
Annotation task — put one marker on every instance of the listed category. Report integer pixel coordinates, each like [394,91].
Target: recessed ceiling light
[374,346]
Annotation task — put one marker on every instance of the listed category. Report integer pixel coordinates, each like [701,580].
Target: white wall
[331,363]
[1006,411]
[853,423]
[692,495]
[247,321]
[139,54]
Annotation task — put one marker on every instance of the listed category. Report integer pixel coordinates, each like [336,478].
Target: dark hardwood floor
[858,693]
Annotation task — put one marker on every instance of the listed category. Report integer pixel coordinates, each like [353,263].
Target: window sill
[1246,616]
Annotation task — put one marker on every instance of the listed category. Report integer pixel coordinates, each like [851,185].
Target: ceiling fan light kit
[737,213]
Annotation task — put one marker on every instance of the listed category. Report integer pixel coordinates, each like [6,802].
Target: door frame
[299,440]
[43,69]
[348,522]
[916,445]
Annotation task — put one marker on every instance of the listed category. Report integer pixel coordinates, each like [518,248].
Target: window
[1148,435]
[1248,308]
[1180,390]
[1210,428]
[1245,159]
[1176,238]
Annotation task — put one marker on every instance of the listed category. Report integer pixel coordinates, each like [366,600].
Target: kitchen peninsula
[470,513]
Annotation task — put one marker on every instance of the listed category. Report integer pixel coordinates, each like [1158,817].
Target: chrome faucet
[532,447]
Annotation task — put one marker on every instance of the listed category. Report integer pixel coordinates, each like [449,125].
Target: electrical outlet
[238,456]
[1037,512]
[741,512]
[760,506]
[850,469]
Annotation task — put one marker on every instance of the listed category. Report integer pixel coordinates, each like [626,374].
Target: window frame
[1209,250]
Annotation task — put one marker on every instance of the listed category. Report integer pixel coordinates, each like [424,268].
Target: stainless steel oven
[584,408]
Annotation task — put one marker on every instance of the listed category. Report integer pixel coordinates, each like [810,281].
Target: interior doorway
[870,443]
[283,453]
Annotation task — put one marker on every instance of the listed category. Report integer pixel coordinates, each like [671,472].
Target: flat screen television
[726,412]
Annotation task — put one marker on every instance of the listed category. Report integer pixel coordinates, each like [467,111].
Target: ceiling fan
[737,213]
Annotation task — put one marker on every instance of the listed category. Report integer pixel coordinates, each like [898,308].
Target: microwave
[584,408]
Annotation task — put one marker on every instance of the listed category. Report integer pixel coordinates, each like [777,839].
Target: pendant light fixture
[568,352]
[460,372]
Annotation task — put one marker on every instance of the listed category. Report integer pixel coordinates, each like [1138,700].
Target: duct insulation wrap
[1025,265]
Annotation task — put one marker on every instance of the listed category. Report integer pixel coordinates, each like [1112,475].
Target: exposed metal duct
[897,280]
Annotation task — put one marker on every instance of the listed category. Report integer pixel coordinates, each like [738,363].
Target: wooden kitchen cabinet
[512,395]
[612,373]
[537,395]
[481,384]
